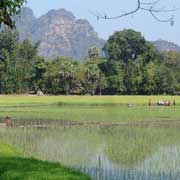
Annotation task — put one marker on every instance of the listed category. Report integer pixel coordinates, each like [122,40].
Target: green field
[132,141]
[90,109]
[81,100]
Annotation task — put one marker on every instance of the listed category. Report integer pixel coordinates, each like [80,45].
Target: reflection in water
[105,152]
[166,159]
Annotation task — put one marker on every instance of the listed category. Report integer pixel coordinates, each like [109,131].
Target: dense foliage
[131,65]
[8,8]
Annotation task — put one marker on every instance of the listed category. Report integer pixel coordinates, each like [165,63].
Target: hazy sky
[141,21]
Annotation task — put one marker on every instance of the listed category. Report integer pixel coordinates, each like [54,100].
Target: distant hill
[59,33]
[163,45]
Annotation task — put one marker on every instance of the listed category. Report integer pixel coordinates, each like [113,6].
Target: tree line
[130,65]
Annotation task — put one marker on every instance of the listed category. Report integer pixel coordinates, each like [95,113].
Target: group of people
[163,103]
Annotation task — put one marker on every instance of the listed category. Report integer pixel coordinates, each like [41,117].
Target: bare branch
[150,3]
[100,16]
[150,7]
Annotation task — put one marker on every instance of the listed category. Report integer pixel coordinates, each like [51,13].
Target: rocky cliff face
[59,33]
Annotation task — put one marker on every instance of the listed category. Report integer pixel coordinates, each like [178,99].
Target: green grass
[7,151]
[15,100]
[90,109]
[13,167]
[30,169]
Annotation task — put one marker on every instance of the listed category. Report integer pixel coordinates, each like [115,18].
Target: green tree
[8,8]
[92,76]
[18,62]
[172,61]
[63,77]
[127,54]
[95,78]
[93,53]
[8,47]
[5,72]
[114,73]
[24,66]
[149,82]
[9,40]
[39,69]
[166,81]
[102,83]
[125,45]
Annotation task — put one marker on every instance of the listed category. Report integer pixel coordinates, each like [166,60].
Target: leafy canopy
[8,8]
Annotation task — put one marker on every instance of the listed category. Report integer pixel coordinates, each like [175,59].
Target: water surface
[105,152]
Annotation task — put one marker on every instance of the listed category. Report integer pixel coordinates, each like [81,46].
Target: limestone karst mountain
[59,33]
[163,45]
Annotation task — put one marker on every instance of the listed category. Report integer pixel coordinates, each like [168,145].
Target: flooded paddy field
[105,152]
[105,139]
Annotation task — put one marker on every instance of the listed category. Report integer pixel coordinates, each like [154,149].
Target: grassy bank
[13,167]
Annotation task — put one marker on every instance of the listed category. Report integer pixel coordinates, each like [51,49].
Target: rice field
[105,137]
[88,109]
[113,152]
[21,100]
